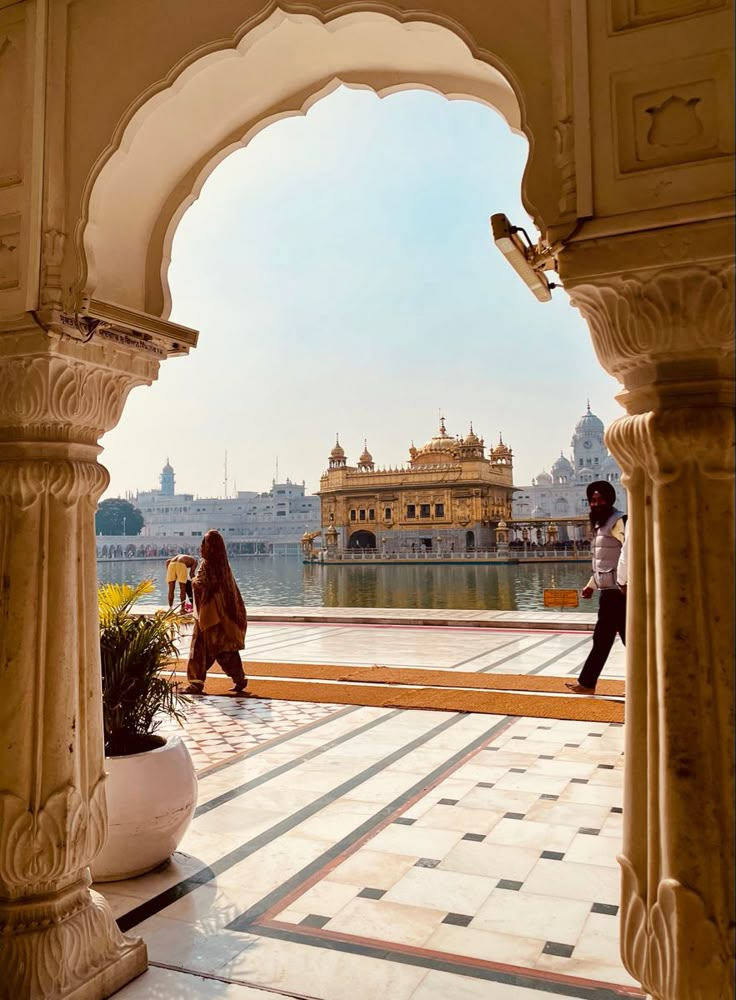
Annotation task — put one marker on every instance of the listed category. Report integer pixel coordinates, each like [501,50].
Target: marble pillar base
[80,955]
[128,966]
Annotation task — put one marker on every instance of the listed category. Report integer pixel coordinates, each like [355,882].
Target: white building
[249,521]
[561,492]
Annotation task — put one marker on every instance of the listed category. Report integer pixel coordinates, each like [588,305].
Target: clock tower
[589,451]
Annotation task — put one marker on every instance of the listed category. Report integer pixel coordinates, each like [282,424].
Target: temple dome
[563,468]
[471,437]
[439,450]
[501,450]
[338,451]
[544,479]
[589,423]
[562,464]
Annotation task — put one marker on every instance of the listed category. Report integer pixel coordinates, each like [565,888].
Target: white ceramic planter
[151,798]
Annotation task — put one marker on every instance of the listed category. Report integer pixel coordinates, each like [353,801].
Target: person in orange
[220,620]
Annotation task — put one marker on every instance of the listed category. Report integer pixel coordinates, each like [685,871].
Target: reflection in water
[289,582]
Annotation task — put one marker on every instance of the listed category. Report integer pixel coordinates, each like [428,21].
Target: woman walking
[220,619]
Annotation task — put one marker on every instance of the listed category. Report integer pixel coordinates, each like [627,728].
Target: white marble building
[561,492]
[249,521]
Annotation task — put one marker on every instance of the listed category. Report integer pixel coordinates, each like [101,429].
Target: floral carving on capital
[48,397]
[658,315]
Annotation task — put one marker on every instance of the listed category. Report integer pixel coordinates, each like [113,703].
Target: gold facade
[449,495]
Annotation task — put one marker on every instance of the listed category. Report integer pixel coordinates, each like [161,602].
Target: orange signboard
[561,599]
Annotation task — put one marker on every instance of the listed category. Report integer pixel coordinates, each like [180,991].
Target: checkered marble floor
[216,729]
[350,853]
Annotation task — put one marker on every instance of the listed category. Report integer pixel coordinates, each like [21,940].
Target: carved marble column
[57,396]
[666,331]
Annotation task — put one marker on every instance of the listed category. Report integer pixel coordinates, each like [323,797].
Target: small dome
[501,450]
[167,467]
[544,479]
[562,466]
[338,451]
[471,437]
[589,423]
[366,457]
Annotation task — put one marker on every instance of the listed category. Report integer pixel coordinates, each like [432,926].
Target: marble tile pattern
[514,651]
[350,853]
[217,729]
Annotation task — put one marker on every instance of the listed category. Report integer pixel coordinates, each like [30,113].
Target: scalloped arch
[226,92]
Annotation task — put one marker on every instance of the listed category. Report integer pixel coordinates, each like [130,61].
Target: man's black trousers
[611,620]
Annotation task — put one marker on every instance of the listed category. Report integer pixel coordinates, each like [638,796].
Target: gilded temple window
[387,514]
[411,510]
[352,515]
[424,510]
[439,510]
[361,514]
[371,514]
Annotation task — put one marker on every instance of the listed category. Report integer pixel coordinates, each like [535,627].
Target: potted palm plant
[151,786]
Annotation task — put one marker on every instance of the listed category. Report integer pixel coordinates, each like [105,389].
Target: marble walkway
[357,853]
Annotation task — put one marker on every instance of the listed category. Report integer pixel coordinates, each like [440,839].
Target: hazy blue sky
[341,272]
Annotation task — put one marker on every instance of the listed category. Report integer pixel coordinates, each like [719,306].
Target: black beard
[599,515]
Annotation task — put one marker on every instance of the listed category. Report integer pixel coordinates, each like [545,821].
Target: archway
[650,267]
[362,540]
[170,144]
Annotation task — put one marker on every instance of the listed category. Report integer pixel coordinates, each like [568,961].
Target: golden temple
[448,497]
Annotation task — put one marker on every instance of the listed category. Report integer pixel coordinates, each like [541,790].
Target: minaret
[167,480]
[337,455]
[365,462]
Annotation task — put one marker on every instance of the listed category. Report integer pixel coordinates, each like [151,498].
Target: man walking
[608,526]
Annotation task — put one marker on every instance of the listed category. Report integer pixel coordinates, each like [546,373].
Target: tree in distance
[118,517]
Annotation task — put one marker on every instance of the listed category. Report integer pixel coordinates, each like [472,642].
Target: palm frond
[134,650]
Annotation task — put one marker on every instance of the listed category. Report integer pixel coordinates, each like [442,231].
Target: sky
[342,275]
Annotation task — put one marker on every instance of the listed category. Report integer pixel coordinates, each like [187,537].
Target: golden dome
[501,450]
[471,437]
[366,457]
[439,450]
[338,451]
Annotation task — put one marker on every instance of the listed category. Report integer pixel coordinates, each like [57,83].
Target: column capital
[660,309]
[672,444]
[56,389]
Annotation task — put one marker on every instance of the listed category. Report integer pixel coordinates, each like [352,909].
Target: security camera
[523,256]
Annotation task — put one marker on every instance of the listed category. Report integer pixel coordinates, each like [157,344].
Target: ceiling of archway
[222,99]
